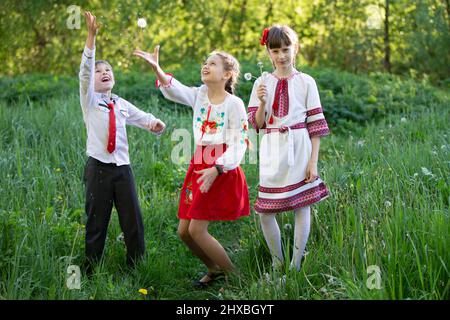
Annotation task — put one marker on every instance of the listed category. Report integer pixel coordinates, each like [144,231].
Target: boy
[108,176]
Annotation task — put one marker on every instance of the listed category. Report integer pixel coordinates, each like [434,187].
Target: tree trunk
[387,48]
[241,20]
[269,14]
[447,6]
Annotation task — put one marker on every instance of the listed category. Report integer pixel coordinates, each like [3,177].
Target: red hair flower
[265,33]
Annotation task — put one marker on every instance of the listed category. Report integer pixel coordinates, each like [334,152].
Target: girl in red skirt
[215,187]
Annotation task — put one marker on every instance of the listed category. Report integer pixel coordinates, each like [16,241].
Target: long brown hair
[231,64]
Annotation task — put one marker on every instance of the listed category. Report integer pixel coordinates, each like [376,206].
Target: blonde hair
[231,64]
[103,62]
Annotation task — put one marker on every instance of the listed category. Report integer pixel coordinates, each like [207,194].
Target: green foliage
[36,87]
[348,35]
[347,99]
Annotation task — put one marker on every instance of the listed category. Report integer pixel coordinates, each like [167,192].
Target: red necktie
[112,129]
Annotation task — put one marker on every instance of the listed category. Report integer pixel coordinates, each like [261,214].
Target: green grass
[383,210]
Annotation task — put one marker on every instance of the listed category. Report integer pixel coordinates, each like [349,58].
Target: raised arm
[153,61]
[88,62]
[92,26]
[171,88]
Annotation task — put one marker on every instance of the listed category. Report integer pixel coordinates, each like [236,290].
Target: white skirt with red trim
[283,159]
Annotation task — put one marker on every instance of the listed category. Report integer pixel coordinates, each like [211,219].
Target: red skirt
[227,198]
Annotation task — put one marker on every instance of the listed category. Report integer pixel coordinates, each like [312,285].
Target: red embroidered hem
[303,199]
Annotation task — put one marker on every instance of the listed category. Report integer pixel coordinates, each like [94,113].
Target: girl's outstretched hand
[151,58]
[91,22]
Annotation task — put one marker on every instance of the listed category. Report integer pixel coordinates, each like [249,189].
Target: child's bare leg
[198,229]
[183,233]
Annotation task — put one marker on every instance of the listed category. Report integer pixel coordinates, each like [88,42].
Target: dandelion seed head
[141,23]
[426,172]
[248,76]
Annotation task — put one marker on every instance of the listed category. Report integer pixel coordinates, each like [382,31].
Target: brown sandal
[213,276]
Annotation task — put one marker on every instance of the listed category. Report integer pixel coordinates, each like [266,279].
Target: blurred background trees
[42,36]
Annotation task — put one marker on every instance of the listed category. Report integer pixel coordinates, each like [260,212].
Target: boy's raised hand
[91,23]
[151,58]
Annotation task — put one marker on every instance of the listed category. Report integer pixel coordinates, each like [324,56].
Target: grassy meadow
[388,177]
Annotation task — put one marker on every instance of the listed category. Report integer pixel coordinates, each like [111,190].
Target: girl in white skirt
[285,106]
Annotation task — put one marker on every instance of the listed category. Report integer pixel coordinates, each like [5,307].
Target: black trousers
[106,184]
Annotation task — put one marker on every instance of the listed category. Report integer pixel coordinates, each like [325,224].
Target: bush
[347,99]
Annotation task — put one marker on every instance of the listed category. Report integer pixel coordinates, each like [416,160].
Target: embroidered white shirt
[303,103]
[214,124]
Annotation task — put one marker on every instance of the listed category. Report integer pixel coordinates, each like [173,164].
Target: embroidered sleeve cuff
[252,120]
[318,128]
[159,84]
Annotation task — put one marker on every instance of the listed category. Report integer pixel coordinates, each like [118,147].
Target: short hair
[103,62]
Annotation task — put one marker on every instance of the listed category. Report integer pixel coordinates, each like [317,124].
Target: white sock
[301,234]
[271,232]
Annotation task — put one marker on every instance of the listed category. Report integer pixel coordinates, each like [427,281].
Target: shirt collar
[104,96]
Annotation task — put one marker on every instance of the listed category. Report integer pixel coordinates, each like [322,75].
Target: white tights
[271,232]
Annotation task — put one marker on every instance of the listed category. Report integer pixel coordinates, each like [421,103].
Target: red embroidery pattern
[251,117]
[209,126]
[282,129]
[280,107]
[318,128]
[302,199]
[188,195]
[282,189]
[314,111]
